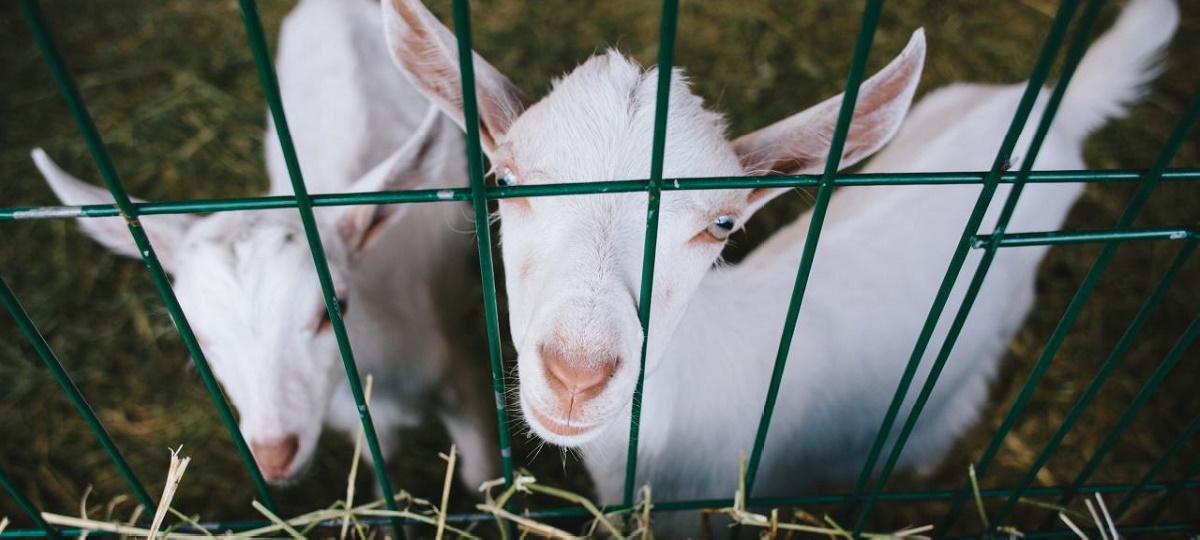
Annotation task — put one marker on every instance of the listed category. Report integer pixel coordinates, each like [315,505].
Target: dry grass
[173,89]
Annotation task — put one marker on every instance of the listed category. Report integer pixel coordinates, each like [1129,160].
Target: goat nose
[275,456]
[576,377]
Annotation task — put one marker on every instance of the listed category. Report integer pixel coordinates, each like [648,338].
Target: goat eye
[721,227]
[506,178]
[327,323]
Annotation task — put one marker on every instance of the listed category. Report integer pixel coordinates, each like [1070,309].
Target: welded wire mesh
[869,490]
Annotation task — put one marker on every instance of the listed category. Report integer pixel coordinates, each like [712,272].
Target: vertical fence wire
[1157,468]
[862,49]
[483,233]
[1132,209]
[666,61]
[108,171]
[1101,376]
[1045,59]
[26,505]
[270,86]
[73,394]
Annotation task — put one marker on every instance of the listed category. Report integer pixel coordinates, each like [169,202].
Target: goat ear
[427,54]
[166,232]
[420,163]
[800,144]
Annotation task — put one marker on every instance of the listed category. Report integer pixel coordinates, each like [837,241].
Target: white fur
[573,263]
[247,282]
[882,253]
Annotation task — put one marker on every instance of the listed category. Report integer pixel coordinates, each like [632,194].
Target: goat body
[882,252]
[248,285]
[574,263]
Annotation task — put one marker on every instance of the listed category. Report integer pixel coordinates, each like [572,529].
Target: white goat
[574,263]
[248,285]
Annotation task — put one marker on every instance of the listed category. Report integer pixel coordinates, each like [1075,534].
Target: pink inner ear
[361,224]
[799,144]
[879,111]
[795,145]
[424,57]
[428,53]
[374,228]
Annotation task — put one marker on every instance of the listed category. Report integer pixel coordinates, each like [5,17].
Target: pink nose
[575,378]
[275,456]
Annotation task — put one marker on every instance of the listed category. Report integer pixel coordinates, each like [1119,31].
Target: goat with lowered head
[247,283]
[573,264]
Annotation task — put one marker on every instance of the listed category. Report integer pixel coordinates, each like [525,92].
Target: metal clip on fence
[129,212]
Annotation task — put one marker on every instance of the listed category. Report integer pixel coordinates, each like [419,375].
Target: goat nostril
[275,456]
[576,374]
[291,444]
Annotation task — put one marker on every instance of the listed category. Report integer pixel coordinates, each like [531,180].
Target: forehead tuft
[240,242]
[242,227]
[602,115]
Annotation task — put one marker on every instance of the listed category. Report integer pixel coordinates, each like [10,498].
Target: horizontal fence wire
[1132,209]
[270,86]
[1033,87]
[200,206]
[1054,238]
[858,64]
[666,55]
[483,232]
[128,211]
[74,395]
[45,529]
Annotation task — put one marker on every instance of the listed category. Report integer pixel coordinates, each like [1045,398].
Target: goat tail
[1114,72]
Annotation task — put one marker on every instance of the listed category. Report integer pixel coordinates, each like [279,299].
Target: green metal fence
[858,504]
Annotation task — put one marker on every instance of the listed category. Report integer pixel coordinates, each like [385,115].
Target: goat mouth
[557,427]
[290,477]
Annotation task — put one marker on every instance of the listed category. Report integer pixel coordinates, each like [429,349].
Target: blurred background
[173,90]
